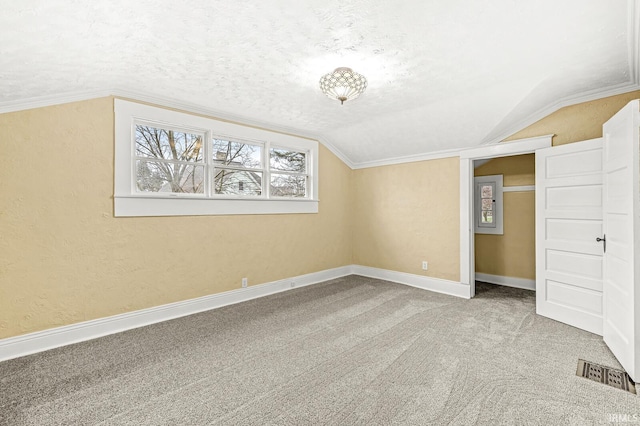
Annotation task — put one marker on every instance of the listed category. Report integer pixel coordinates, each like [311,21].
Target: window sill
[132,206]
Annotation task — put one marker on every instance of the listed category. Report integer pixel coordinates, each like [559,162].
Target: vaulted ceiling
[443,74]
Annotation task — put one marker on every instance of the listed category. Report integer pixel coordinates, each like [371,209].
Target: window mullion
[133,158]
[308,175]
[207,163]
[267,170]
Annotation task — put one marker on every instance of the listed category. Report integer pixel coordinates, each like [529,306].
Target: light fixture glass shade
[343,84]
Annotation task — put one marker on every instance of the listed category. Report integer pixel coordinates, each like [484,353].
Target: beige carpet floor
[352,351]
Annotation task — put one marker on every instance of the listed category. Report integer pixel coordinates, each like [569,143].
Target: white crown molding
[633,85]
[162,101]
[516,147]
[435,155]
[63,98]
[564,102]
[50,100]
[633,42]
[334,149]
[507,281]
[493,150]
[196,109]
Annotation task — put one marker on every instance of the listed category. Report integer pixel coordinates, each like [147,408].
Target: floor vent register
[607,375]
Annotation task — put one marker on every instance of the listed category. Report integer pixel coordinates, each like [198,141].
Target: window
[235,164]
[288,173]
[488,205]
[168,160]
[172,163]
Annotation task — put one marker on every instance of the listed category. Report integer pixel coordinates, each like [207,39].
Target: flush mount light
[343,84]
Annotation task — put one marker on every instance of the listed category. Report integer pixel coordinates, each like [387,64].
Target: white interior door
[621,263]
[568,220]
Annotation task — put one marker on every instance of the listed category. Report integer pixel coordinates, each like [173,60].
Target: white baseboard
[39,341]
[26,344]
[452,288]
[507,281]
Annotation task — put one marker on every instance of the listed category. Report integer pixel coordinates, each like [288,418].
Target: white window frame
[497,226]
[129,202]
[264,169]
[271,171]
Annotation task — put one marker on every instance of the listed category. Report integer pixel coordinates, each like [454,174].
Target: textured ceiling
[442,74]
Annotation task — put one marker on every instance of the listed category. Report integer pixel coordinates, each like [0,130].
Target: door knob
[604,240]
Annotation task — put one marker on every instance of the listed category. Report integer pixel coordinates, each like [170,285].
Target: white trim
[137,96]
[467,236]
[162,101]
[145,97]
[187,107]
[562,103]
[507,281]
[497,149]
[633,55]
[14,347]
[505,149]
[130,203]
[467,254]
[64,98]
[131,206]
[522,188]
[51,100]
[633,40]
[335,151]
[26,344]
[452,288]
[435,155]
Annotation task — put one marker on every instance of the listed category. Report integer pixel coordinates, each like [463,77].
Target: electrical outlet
[293,284]
[425,265]
[244,282]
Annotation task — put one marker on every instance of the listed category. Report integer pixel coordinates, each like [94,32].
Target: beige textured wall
[64,258]
[513,253]
[577,122]
[407,213]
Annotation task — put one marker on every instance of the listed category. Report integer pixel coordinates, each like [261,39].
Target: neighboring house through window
[172,163]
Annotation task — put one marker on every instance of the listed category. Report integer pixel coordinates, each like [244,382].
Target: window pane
[288,185]
[153,142]
[487,217]
[286,160]
[237,154]
[487,204]
[156,176]
[487,191]
[237,182]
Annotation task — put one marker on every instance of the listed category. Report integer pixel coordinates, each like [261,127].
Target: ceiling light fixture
[343,84]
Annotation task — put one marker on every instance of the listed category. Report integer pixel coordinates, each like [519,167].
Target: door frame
[467,157]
